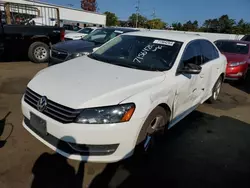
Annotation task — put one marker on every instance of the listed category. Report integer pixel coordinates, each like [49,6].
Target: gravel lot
[209,148]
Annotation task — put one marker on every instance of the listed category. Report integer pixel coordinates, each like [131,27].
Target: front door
[189,90]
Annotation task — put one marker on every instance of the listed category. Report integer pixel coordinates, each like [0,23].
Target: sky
[172,10]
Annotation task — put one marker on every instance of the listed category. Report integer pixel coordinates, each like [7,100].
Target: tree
[225,24]
[111,19]
[141,20]
[242,27]
[177,26]
[89,5]
[211,25]
[156,24]
[190,26]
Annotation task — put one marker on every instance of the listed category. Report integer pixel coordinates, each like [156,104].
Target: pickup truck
[33,41]
[29,33]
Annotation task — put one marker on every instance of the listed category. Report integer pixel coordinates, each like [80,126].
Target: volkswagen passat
[112,103]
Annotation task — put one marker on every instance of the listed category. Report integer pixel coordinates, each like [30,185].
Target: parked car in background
[117,100]
[79,34]
[246,38]
[69,28]
[238,57]
[67,50]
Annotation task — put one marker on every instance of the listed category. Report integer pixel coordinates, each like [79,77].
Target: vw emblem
[42,104]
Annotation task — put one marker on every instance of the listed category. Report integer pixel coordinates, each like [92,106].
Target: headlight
[105,115]
[81,54]
[235,64]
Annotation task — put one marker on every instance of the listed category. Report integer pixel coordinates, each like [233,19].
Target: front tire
[152,131]
[38,52]
[216,90]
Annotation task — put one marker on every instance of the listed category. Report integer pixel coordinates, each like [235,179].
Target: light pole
[137,12]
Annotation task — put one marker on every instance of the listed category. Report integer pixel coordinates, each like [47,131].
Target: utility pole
[137,12]
[153,16]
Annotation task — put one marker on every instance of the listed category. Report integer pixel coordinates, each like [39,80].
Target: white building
[70,15]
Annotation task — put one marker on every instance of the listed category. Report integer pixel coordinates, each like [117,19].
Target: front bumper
[98,143]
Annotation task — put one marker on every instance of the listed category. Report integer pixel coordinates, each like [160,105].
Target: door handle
[202,75]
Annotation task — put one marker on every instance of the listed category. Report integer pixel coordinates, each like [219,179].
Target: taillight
[62,34]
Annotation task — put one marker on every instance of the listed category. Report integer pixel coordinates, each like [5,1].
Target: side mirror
[190,69]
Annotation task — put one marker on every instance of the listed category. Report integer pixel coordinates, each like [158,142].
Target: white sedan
[112,103]
[80,34]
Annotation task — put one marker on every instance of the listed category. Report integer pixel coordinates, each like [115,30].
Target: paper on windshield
[163,42]
[241,44]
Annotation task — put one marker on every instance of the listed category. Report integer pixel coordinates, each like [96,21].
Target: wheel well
[222,76]
[166,108]
[40,39]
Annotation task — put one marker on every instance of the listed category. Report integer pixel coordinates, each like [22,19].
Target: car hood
[84,82]
[235,57]
[74,46]
[72,35]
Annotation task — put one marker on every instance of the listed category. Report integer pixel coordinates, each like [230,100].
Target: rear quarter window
[246,38]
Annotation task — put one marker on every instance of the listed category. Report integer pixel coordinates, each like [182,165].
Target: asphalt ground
[209,148]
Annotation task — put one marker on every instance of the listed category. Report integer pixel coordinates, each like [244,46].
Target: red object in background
[238,57]
[62,35]
[237,66]
[89,5]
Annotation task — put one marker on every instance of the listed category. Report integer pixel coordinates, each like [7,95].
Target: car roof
[181,37]
[121,29]
[231,40]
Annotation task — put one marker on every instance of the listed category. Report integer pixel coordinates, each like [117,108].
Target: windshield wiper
[99,58]
[126,65]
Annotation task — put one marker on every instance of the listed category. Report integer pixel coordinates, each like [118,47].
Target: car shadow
[3,125]
[53,170]
[201,151]
[243,86]
[13,57]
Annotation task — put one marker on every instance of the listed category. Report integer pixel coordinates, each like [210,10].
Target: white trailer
[69,14]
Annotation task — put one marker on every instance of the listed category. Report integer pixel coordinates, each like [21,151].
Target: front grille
[59,54]
[54,110]
[73,148]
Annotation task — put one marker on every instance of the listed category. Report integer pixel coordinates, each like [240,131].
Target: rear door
[211,66]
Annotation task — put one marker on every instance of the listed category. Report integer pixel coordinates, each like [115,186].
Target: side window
[246,38]
[209,52]
[192,54]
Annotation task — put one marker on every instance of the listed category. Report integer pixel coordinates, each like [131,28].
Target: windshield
[232,47]
[100,36]
[85,30]
[139,52]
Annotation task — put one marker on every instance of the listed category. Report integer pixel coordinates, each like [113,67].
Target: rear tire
[38,52]
[216,90]
[152,131]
